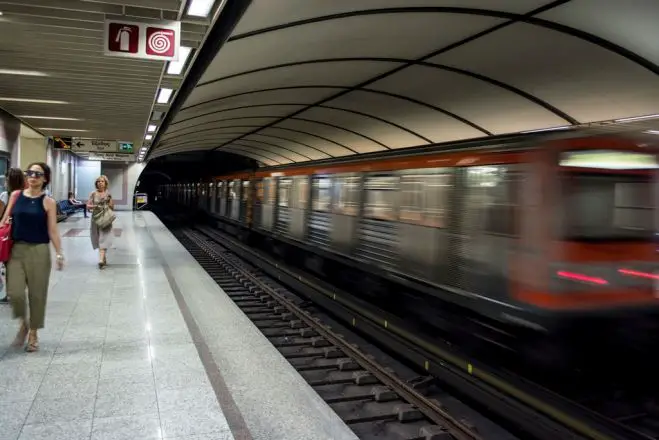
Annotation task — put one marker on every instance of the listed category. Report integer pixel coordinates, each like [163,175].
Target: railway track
[353,382]
[369,396]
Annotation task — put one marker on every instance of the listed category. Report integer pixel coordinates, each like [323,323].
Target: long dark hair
[15,180]
[46,172]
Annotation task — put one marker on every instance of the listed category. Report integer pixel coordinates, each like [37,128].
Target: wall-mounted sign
[114,157]
[126,147]
[154,41]
[61,143]
[97,145]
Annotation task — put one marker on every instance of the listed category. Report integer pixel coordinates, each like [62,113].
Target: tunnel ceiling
[301,80]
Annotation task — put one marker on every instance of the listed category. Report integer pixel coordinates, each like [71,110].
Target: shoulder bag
[104,216]
[6,241]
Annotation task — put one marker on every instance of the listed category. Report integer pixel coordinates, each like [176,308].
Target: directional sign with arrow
[94,145]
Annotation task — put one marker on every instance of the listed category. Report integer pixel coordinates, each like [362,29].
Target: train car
[554,237]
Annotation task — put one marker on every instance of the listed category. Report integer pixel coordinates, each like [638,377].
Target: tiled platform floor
[116,359]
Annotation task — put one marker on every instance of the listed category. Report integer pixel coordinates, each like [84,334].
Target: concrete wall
[10,129]
[123,178]
[87,171]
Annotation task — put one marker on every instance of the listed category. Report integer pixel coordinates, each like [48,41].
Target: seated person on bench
[78,204]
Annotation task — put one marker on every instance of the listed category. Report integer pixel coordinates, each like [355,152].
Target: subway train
[550,236]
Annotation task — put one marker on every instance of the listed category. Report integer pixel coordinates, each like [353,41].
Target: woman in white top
[101,238]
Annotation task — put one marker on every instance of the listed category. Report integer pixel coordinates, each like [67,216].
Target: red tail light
[583,278]
[635,273]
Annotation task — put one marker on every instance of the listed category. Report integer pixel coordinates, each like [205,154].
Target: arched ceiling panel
[326,145]
[359,142]
[306,95]
[585,80]
[418,118]
[633,25]
[294,75]
[359,35]
[264,154]
[264,14]
[232,122]
[282,140]
[478,101]
[395,135]
[244,111]
[253,155]
[287,152]
[315,79]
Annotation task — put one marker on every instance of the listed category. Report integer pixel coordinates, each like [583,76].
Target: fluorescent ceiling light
[59,129]
[148,137]
[200,8]
[22,72]
[652,132]
[53,118]
[36,101]
[562,127]
[176,67]
[638,118]
[164,95]
[151,128]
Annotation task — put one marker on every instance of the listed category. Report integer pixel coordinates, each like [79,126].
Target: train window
[424,197]
[269,190]
[245,191]
[321,193]
[491,199]
[346,190]
[380,197]
[607,206]
[302,188]
[232,190]
[259,191]
[285,192]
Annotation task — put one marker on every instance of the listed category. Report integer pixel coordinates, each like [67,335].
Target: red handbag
[6,241]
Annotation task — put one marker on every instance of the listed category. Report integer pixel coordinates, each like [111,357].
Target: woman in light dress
[101,238]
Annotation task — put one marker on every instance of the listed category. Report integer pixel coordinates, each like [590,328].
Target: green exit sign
[126,147]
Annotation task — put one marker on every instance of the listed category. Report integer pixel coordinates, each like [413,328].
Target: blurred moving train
[541,235]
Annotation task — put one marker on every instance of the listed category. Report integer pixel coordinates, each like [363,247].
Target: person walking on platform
[102,206]
[15,180]
[33,227]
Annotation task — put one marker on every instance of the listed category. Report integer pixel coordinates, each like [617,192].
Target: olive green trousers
[29,266]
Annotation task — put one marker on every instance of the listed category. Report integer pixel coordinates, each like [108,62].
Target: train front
[599,219]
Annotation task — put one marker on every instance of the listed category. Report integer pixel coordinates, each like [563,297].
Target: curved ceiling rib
[490,81]
[324,79]
[274,128]
[263,117]
[210,143]
[511,17]
[355,112]
[344,90]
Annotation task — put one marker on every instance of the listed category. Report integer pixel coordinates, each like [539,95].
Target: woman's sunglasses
[32,173]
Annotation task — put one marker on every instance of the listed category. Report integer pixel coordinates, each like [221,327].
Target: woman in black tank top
[34,226]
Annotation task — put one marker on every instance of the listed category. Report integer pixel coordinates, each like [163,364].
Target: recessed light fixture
[151,128]
[36,101]
[200,8]
[148,137]
[164,95]
[176,67]
[53,118]
[638,118]
[22,72]
[59,129]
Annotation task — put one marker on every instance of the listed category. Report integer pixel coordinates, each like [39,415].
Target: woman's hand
[60,261]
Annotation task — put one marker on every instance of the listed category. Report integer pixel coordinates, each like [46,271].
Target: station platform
[149,348]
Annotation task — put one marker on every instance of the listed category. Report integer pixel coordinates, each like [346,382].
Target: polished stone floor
[149,348]
[116,360]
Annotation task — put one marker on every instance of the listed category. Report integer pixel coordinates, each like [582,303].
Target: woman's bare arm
[10,206]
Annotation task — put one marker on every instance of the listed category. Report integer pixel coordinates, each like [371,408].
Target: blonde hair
[104,179]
